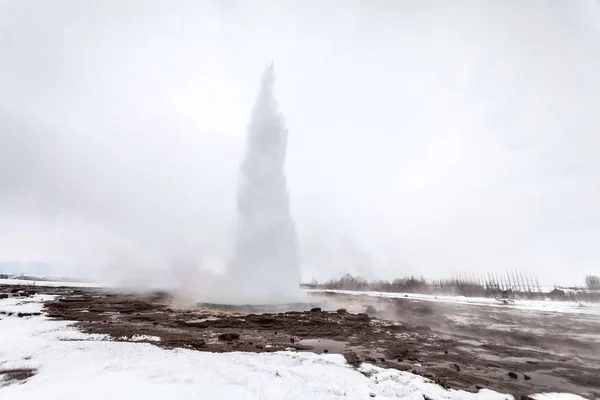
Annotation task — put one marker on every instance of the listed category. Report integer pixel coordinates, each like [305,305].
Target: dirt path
[458,346]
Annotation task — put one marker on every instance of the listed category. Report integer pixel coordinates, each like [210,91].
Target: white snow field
[70,364]
[534,305]
[23,282]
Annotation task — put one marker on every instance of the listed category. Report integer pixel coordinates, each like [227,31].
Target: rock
[352,359]
[478,387]
[445,351]
[372,394]
[532,362]
[456,366]
[315,309]
[325,351]
[341,311]
[527,377]
[371,310]
[513,375]
[382,359]
[259,319]
[359,318]
[3,296]
[405,295]
[227,337]
[292,340]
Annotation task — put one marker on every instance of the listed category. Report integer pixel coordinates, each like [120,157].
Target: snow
[25,282]
[555,396]
[533,305]
[71,364]
[141,338]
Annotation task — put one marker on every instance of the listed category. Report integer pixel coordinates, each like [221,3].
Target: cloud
[424,138]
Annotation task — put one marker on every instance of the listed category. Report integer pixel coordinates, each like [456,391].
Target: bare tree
[592,282]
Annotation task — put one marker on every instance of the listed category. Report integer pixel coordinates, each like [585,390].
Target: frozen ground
[129,351]
[65,363]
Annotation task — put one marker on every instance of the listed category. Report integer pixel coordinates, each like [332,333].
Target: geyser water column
[265,266]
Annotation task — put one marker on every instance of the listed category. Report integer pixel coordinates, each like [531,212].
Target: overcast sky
[425,137]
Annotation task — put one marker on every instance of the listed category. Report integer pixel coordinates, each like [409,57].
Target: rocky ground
[459,346]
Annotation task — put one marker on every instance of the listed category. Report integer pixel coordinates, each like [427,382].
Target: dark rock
[371,310]
[315,309]
[260,319]
[341,311]
[292,340]
[478,387]
[527,377]
[456,366]
[513,375]
[532,362]
[15,290]
[382,359]
[3,296]
[325,351]
[227,337]
[445,351]
[260,346]
[352,359]
[359,318]
[372,394]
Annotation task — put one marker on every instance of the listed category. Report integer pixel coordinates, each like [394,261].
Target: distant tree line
[460,287]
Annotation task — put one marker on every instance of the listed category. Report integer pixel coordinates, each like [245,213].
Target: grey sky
[425,137]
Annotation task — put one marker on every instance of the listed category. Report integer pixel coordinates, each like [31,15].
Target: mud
[458,346]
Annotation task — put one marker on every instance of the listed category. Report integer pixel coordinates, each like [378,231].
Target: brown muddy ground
[459,346]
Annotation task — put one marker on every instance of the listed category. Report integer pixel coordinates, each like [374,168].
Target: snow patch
[140,338]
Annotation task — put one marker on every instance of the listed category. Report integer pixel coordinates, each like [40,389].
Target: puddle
[320,345]
[543,379]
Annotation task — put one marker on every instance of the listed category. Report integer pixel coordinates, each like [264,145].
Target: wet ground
[457,345]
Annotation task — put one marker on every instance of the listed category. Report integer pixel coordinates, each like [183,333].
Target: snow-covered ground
[536,305]
[71,364]
[24,282]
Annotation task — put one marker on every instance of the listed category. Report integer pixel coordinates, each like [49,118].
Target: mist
[429,138]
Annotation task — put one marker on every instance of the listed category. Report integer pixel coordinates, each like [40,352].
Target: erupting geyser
[265,266]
